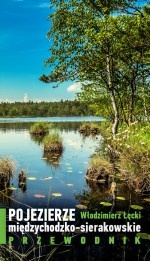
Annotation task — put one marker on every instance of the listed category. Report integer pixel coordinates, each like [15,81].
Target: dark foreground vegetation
[43,109]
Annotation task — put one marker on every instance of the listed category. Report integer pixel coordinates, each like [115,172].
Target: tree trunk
[131,103]
[112,97]
[143,89]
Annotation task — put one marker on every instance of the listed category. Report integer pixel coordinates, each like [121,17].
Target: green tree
[85,45]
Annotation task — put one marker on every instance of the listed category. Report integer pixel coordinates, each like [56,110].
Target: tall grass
[88,128]
[40,128]
[133,147]
[7,167]
[53,143]
[99,164]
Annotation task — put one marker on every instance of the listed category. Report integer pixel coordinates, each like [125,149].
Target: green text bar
[2,226]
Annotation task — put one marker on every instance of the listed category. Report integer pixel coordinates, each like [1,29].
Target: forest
[44,109]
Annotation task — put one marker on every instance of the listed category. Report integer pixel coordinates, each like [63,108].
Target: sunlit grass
[99,164]
[88,128]
[132,144]
[40,128]
[7,167]
[53,143]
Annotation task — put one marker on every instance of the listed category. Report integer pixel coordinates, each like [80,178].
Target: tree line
[43,109]
[105,45]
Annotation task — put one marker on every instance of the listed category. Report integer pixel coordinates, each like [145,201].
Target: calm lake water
[68,168]
[65,174]
[53,119]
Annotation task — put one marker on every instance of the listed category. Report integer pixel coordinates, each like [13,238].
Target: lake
[68,168]
[58,181]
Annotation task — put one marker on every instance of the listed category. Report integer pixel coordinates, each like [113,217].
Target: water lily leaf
[12,188]
[70,185]
[80,206]
[31,178]
[69,170]
[80,172]
[136,207]
[43,158]
[67,164]
[121,198]
[57,194]
[69,167]
[106,204]
[39,196]
[143,235]
[147,199]
[45,178]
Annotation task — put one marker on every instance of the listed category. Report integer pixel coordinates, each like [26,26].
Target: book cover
[74,135]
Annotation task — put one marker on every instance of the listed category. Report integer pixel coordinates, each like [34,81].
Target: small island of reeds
[40,128]
[89,128]
[53,143]
[98,170]
[7,167]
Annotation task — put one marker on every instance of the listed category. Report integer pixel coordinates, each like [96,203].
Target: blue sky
[23,49]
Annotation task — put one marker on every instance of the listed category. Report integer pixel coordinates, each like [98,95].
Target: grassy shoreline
[128,153]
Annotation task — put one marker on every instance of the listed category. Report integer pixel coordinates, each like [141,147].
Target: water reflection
[37,138]
[7,126]
[52,159]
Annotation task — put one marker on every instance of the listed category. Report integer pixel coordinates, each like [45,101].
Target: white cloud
[44,5]
[74,87]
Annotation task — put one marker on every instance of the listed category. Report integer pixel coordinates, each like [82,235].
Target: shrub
[53,143]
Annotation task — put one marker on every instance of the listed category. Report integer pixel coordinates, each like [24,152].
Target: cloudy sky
[23,48]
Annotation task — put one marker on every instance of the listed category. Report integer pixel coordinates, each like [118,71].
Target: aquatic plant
[7,168]
[52,159]
[53,143]
[99,169]
[40,128]
[132,145]
[38,139]
[88,128]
